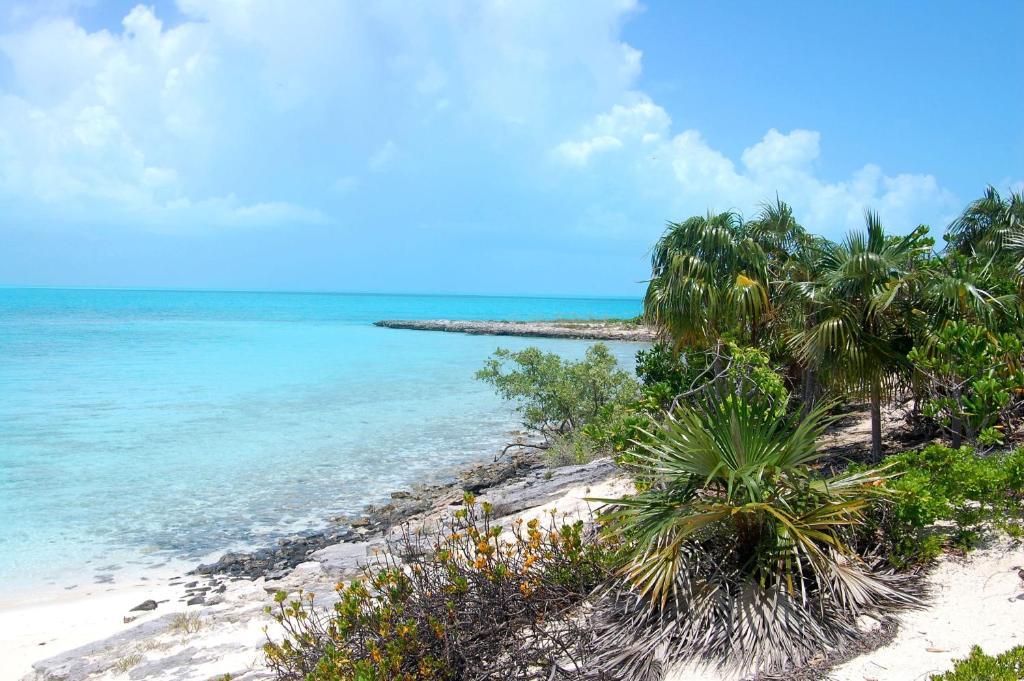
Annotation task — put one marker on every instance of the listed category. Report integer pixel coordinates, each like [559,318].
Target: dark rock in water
[144,605]
[400,495]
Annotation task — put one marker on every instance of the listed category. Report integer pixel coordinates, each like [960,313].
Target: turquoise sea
[143,429]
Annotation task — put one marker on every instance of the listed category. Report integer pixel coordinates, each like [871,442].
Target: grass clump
[978,666]
[127,662]
[186,623]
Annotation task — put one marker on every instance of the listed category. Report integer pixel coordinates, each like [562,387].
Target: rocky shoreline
[276,561]
[578,330]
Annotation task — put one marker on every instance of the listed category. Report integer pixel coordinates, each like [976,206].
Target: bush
[557,396]
[470,603]
[1008,666]
[970,377]
[965,491]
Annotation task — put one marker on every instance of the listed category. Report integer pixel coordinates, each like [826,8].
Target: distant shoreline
[610,330]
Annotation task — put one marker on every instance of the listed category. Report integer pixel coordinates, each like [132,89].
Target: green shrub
[1008,666]
[969,377]
[556,396]
[958,487]
[469,603]
[662,365]
[750,371]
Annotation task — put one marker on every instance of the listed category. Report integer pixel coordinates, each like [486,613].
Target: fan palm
[857,337]
[988,223]
[708,277]
[739,552]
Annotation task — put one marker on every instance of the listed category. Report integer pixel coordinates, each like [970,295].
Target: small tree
[556,396]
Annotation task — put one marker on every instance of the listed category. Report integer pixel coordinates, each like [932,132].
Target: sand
[978,600]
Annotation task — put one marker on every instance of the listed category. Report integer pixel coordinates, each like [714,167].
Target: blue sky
[477,147]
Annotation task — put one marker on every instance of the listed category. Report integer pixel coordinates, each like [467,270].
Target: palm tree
[738,552]
[708,277]
[988,223]
[958,287]
[856,337]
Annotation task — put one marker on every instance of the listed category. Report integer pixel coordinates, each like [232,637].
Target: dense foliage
[841,317]
[743,545]
[969,378]
[472,601]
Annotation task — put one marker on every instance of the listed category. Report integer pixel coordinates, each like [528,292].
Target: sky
[480,147]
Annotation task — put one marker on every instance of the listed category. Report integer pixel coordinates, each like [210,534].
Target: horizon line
[176,289]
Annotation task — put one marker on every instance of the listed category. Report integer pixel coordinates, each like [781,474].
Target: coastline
[583,329]
[211,621]
[88,633]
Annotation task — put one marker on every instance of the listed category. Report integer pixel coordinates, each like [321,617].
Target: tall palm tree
[856,337]
[707,277]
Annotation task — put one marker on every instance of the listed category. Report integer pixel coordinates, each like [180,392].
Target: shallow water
[142,428]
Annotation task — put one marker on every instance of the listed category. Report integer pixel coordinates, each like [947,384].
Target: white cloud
[642,121]
[258,113]
[234,103]
[783,164]
[580,152]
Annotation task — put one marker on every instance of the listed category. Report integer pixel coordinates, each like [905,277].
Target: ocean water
[142,430]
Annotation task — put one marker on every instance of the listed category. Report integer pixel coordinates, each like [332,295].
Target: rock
[525,493]
[346,559]
[362,521]
[144,605]
[196,600]
[400,495]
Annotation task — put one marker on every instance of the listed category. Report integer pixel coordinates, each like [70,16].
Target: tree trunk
[810,388]
[876,419]
[718,367]
[956,424]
